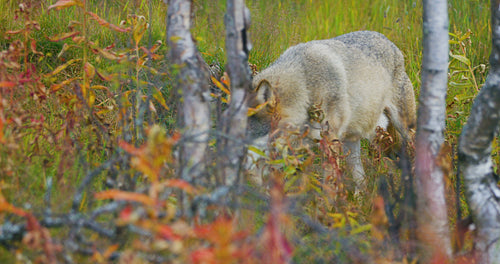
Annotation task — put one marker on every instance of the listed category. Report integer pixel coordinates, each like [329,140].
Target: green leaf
[289,183]
[361,229]
[290,170]
[461,58]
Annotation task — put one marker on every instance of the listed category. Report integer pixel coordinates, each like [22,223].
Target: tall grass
[276,25]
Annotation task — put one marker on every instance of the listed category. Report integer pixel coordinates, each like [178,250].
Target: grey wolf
[358,82]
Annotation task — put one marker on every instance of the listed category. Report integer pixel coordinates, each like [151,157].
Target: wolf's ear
[263,92]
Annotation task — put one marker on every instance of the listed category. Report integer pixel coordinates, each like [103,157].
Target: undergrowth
[85,87]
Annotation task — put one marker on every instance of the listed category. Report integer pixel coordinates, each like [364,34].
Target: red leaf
[31,223]
[167,232]
[105,23]
[204,255]
[126,212]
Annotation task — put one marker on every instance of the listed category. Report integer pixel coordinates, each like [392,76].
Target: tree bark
[192,83]
[234,120]
[482,192]
[432,220]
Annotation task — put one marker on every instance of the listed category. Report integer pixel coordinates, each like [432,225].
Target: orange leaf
[181,184]
[110,251]
[7,84]
[7,207]
[125,196]
[61,4]
[131,149]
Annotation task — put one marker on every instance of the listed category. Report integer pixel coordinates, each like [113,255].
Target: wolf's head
[262,105]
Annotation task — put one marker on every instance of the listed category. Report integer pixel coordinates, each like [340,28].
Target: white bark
[433,230]
[192,82]
[234,120]
[482,192]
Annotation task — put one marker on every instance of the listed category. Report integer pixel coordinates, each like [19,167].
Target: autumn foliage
[89,169]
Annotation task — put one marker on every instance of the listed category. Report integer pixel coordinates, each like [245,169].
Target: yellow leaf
[220,86]
[253,111]
[175,39]
[257,151]
[61,4]
[57,86]
[108,55]
[139,29]
[91,98]
[62,67]
[361,229]
[99,87]
[159,98]
[89,70]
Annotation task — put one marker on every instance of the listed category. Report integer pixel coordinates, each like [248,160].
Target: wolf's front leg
[353,162]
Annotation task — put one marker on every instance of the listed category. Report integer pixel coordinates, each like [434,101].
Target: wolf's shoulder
[357,37]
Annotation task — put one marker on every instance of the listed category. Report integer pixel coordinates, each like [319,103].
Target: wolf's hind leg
[397,122]
[353,161]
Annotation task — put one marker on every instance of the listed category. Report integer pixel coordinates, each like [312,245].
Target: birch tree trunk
[482,192]
[432,220]
[234,120]
[191,81]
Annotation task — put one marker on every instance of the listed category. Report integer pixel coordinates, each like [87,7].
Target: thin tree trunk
[482,192]
[234,120]
[433,230]
[192,84]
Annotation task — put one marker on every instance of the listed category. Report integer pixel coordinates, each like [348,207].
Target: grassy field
[47,135]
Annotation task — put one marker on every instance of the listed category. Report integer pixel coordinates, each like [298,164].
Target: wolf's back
[384,51]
